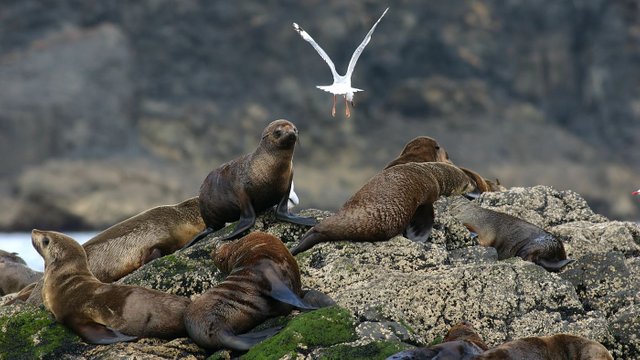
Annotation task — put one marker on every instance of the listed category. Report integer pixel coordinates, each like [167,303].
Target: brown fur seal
[126,246]
[263,282]
[426,149]
[252,183]
[461,343]
[511,236]
[14,273]
[397,199]
[556,347]
[102,313]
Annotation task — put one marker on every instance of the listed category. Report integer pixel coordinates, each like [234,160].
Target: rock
[583,238]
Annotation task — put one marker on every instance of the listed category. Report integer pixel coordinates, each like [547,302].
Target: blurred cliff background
[108,108]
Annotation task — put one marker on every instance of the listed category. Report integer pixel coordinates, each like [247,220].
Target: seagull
[341,83]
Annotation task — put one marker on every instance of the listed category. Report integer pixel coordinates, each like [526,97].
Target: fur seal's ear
[281,292]
[95,333]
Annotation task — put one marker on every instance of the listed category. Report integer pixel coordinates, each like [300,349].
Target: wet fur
[557,347]
[385,206]
[91,308]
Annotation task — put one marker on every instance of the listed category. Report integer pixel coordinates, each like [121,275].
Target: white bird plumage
[341,83]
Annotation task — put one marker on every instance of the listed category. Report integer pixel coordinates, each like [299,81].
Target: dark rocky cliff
[110,107]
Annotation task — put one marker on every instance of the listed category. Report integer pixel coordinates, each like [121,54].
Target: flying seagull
[341,83]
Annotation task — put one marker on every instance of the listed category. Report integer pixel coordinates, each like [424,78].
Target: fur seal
[102,313]
[14,273]
[461,343]
[557,347]
[243,187]
[426,149]
[511,236]
[397,199]
[263,282]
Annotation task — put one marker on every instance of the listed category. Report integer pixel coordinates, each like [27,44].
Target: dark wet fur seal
[556,347]
[102,313]
[251,184]
[263,282]
[426,149]
[398,199]
[14,273]
[461,343]
[511,236]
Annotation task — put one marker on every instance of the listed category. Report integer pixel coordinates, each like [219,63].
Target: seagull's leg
[333,109]
[347,113]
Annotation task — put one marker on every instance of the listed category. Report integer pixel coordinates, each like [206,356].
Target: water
[21,243]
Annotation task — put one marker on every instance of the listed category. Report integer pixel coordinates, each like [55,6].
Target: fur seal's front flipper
[317,298]
[95,333]
[308,240]
[247,218]
[554,266]
[414,354]
[198,237]
[246,341]
[421,224]
[282,212]
[281,292]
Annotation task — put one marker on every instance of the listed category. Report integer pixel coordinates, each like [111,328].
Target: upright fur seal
[511,236]
[397,199]
[14,273]
[426,149]
[461,343]
[557,347]
[102,313]
[251,184]
[263,282]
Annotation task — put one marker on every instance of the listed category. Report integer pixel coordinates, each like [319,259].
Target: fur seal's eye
[278,133]
[45,241]
[437,147]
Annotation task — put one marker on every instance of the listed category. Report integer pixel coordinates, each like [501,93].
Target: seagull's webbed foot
[347,112]
[333,109]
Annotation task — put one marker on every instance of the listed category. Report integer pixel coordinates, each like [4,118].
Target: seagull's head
[280,134]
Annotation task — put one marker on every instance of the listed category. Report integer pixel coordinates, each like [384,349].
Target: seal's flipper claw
[95,333]
[421,223]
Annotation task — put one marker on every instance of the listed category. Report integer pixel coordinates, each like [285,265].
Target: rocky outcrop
[531,93]
[397,294]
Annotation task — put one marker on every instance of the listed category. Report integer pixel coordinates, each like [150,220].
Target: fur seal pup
[397,199]
[126,246]
[557,347]
[511,236]
[14,273]
[102,313]
[251,184]
[426,149]
[461,343]
[263,282]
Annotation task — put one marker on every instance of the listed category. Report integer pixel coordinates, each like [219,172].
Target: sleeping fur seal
[251,184]
[102,313]
[556,347]
[397,199]
[14,273]
[263,282]
[511,236]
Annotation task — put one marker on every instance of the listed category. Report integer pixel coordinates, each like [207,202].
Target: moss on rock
[323,327]
[371,351]
[32,333]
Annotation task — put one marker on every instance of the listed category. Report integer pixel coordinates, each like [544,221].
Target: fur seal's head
[464,330]
[55,247]
[11,257]
[249,250]
[421,149]
[451,179]
[280,134]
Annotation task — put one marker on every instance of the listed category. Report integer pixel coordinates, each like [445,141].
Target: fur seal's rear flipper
[421,224]
[283,293]
[244,342]
[308,240]
[317,299]
[95,333]
[554,266]
[282,212]
[198,237]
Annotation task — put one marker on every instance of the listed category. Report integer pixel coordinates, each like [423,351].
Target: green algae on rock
[371,351]
[28,332]
[323,327]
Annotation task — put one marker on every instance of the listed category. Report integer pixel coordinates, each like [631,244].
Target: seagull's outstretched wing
[315,45]
[356,54]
